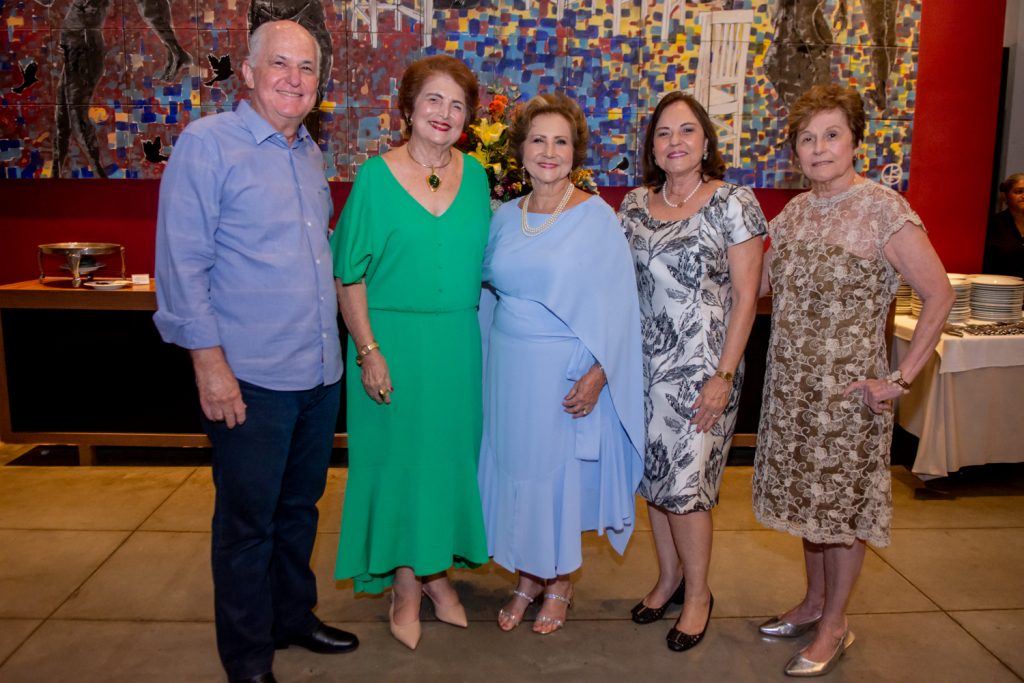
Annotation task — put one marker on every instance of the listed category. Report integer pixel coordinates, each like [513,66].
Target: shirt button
[324,335]
[309,223]
[318,261]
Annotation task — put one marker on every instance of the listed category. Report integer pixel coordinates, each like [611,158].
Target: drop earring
[705,157]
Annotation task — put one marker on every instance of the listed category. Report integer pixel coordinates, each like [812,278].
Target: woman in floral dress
[698,265]
[822,465]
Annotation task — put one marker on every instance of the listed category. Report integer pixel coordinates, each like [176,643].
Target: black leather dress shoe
[324,639]
[262,678]
[642,614]
[678,641]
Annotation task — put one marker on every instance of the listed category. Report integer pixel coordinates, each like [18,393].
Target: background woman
[407,252]
[562,420]
[822,465]
[1004,241]
[698,267]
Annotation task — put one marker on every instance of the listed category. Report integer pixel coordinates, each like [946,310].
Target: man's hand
[219,394]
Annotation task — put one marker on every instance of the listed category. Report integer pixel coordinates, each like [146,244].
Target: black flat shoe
[678,641]
[324,639]
[262,678]
[642,614]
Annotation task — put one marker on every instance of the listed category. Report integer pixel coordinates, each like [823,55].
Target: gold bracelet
[364,352]
[727,376]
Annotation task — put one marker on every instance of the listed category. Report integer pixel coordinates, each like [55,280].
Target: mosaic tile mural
[102,88]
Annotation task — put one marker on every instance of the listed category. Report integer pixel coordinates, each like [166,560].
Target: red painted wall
[954,138]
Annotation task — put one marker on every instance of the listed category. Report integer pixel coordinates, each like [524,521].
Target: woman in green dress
[407,257]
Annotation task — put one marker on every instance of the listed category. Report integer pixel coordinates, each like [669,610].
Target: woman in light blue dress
[563,402]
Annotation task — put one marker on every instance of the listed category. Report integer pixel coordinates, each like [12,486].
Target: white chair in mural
[367,12]
[722,72]
[667,8]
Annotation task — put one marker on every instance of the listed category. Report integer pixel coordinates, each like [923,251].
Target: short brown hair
[825,98]
[419,71]
[550,103]
[712,167]
[1010,181]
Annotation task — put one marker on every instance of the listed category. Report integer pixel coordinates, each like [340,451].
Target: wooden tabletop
[57,292]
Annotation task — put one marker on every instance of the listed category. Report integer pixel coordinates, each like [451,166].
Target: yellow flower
[480,154]
[489,133]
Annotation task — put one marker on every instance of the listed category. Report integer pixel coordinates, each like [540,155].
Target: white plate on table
[107,285]
[996,280]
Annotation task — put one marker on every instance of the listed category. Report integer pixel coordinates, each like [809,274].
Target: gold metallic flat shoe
[406,634]
[778,628]
[801,667]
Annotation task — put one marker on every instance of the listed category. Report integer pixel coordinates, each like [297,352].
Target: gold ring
[382,393]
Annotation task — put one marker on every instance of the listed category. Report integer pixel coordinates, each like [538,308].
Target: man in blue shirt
[243,273]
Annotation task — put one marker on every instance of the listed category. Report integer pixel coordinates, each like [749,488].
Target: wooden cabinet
[88,368]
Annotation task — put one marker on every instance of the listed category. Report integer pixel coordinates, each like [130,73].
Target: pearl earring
[705,157]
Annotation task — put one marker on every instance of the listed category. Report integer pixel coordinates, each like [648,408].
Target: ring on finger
[382,393]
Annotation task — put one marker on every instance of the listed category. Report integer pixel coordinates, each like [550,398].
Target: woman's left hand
[877,393]
[582,398]
[711,403]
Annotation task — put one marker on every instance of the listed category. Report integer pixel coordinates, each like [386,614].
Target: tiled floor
[105,577]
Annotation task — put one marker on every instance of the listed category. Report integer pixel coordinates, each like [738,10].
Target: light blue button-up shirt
[242,259]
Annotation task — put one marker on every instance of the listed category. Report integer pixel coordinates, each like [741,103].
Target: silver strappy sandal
[511,618]
[557,623]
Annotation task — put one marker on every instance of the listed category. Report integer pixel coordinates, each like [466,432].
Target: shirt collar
[259,127]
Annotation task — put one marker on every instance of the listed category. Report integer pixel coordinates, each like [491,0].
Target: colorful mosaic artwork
[103,88]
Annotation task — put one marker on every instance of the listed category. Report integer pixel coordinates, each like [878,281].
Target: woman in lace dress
[822,465]
[698,265]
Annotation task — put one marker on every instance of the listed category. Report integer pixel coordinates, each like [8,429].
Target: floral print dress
[822,466]
[682,270]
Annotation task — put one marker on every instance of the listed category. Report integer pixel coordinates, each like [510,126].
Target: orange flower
[497,106]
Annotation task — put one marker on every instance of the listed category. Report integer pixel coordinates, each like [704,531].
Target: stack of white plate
[996,298]
[961,311]
[903,295]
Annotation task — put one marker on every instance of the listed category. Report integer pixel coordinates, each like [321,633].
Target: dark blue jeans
[269,473]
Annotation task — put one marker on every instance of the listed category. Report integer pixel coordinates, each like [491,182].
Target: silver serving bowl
[73,253]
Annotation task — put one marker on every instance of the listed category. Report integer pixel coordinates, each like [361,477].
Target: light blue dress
[565,298]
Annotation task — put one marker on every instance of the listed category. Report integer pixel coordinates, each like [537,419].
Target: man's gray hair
[256,43]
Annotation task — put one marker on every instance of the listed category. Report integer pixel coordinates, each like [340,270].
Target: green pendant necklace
[433,181]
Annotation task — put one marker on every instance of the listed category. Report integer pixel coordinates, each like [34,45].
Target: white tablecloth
[965,404]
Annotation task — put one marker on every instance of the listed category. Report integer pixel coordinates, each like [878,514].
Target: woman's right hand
[376,378]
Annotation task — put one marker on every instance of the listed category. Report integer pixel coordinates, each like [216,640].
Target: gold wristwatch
[897,378]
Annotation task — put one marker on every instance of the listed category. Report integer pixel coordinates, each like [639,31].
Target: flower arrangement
[487,142]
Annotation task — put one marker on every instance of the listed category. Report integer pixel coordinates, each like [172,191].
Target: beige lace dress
[822,466]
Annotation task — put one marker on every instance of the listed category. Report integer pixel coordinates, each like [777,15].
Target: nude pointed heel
[407,634]
[449,614]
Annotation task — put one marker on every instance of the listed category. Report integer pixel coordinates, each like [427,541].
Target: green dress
[412,497]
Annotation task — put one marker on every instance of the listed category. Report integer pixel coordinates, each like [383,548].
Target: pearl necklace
[533,232]
[433,181]
[664,194]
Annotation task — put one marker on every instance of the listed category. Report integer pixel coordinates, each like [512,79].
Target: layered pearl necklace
[433,181]
[664,193]
[533,232]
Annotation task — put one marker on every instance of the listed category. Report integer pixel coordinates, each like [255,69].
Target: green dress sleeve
[352,243]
